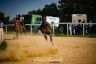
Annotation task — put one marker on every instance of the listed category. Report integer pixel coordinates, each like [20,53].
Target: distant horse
[46,29]
[18,25]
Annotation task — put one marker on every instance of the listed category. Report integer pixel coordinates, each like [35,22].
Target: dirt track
[35,50]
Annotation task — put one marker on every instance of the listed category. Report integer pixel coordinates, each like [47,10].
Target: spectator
[83,21]
[1,24]
[70,29]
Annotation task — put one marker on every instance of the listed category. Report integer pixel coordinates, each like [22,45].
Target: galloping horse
[18,25]
[46,29]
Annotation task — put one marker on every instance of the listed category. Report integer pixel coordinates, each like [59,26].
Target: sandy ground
[30,49]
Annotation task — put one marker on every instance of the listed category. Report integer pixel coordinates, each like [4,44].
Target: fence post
[6,28]
[67,29]
[1,35]
[83,30]
[31,28]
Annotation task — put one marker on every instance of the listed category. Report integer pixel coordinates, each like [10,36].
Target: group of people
[76,29]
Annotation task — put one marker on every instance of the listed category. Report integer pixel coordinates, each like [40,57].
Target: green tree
[3,18]
[50,10]
[35,12]
[68,7]
[6,20]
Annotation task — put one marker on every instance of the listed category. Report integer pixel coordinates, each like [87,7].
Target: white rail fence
[1,35]
[67,25]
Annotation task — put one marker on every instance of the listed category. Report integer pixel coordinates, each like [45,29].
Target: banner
[33,20]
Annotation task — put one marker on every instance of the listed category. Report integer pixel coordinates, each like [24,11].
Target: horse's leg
[49,30]
[16,31]
[45,36]
[21,29]
[51,40]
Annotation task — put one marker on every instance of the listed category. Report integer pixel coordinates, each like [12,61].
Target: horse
[46,29]
[18,25]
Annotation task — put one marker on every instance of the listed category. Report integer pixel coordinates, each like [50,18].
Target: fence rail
[67,26]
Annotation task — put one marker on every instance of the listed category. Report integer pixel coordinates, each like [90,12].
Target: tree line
[3,18]
[64,10]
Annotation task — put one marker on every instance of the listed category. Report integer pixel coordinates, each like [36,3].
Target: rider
[21,20]
[18,23]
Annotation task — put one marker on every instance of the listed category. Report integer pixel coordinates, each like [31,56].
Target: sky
[13,7]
